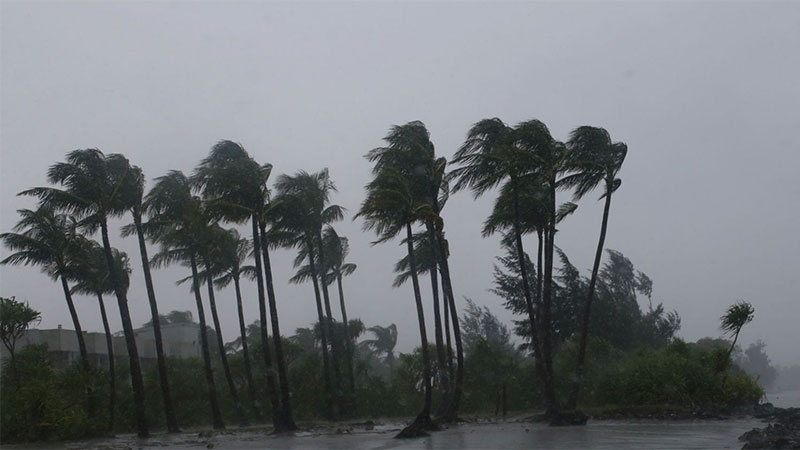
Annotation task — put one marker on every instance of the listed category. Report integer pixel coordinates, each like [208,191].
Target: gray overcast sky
[706,96]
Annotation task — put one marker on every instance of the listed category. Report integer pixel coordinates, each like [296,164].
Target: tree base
[419,428]
[568,418]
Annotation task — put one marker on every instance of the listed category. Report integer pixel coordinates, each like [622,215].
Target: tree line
[184,217]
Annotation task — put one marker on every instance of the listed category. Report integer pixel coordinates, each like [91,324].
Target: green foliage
[15,318]
[676,374]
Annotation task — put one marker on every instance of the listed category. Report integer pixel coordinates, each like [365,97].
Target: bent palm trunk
[169,411]
[323,331]
[348,345]
[248,372]
[112,378]
[216,415]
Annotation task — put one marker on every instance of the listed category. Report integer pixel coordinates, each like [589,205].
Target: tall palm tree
[384,342]
[410,152]
[210,238]
[91,276]
[233,252]
[305,211]
[135,193]
[235,187]
[594,159]
[44,238]
[391,207]
[94,189]
[176,220]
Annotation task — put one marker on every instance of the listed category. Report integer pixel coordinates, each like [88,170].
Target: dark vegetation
[585,342]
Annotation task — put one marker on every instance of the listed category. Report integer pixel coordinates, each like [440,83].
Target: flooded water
[596,435]
[784,399]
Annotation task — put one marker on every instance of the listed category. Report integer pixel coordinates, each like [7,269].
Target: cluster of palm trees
[184,216]
[410,187]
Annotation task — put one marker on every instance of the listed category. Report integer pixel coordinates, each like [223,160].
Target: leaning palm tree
[176,220]
[594,159]
[390,208]
[336,249]
[95,189]
[304,212]
[91,276]
[384,342]
[492,156]
[410,152]
[233,251]
[135,193]
[235,187]
[45,238]
[735,318]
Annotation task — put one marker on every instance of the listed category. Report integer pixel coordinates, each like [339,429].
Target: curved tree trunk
[323,332]
[287,419]
[130,338]
[348,345]
[272,389]
[579,368]
[451,414]
[337,376]
[77,324]
[201,317]
[248,372]
[237,404]
[169,410]
[423,420]
[547,300]
[526,289]
[448,341]
[112,378]
[437,324]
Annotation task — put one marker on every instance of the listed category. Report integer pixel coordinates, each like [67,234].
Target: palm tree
[135,193]
[384,342]
[410,152]
[735,318]
[305,210]
[45,238]
[175,222]
[491,156]
[91,276]
[390,207]
[95,189]
[595,159]
[210,238]
[301,211]
[233,252]
[235,187]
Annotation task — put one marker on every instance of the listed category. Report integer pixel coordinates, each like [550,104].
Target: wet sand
[701,434]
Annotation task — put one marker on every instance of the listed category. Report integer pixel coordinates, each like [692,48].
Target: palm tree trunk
[447,287]
[348,345]
[423,420]
[539,269]
[448,340]
[323,332]
[169,411]
[526,290]
[112,379]
[272,392]
[248,372]
[579,368]
[287,418]
[201,317]
[221,344]
[437,322]
[77,324]
[547,300]
[130,338]
[337,376]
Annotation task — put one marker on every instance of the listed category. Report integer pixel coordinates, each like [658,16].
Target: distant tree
[384,342]
[735,318]
[756,363]
[15,318]
[478,323]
